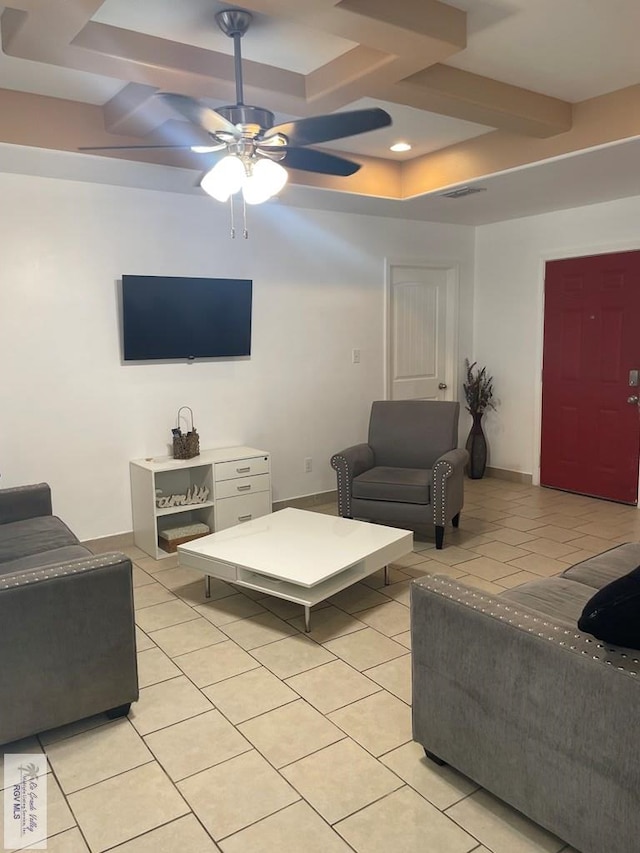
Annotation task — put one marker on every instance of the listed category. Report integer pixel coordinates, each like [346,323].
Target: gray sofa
[66,617]
[509,692]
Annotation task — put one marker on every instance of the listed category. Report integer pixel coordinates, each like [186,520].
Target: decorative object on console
[194,495]
[478,392]
[185,445]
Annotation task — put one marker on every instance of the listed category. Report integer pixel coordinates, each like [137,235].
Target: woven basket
[188,445]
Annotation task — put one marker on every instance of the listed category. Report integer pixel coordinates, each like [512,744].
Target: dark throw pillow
[613,613]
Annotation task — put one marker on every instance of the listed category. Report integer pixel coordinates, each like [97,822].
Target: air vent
[462,191]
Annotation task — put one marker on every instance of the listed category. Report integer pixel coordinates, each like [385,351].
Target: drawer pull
[244,488]
[244,517]
[243,470]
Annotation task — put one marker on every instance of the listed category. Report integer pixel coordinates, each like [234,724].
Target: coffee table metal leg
[307,618]
[207,586]
[386,576]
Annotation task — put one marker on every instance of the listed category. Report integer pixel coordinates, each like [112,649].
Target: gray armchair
[410,472]
[68,632]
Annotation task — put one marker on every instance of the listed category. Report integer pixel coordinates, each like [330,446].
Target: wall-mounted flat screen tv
[170,317]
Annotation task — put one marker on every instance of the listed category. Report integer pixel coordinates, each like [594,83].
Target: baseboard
[109,543]
[511,476]
[307,501]
[125,540]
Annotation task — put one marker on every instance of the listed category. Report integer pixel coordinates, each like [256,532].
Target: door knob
[633,400]
[442,385]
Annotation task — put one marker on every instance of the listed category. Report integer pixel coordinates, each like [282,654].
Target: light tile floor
[252,737]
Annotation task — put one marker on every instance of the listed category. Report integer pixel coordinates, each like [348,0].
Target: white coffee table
[296,555]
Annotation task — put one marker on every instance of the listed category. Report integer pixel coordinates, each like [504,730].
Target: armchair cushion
[405,485]
[33,536]
[44,558]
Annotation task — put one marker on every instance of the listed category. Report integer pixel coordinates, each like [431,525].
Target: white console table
[238,480]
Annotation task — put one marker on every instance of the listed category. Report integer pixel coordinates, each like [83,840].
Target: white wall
[508,311]
[73,415]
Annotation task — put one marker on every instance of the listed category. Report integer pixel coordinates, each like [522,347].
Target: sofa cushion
[604,568]
[45,558]
[404,485]
[557,598]
[613,613]
[33,536]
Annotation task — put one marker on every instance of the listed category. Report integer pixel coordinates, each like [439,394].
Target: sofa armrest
[348,464]
[538,714]
[23,502]
[69,637]
[448,485]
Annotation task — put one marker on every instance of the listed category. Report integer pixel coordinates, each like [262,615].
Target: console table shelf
[238,480]
[172,510]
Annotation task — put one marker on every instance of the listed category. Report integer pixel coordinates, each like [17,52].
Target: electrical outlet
[308,465]
[355,356]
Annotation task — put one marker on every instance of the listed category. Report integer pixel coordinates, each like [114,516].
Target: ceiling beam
[449,91]
[51,123]
[599,121]
[134,111]
[399,57]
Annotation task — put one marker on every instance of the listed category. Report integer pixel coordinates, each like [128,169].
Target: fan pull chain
[233,224]
[245,233]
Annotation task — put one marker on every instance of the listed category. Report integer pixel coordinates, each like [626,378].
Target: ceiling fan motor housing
[251,119]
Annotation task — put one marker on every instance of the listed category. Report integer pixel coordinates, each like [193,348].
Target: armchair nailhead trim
[46,573]
[463,595]
[340,465]
[441,473]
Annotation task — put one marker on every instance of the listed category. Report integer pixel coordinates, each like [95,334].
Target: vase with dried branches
[478,392]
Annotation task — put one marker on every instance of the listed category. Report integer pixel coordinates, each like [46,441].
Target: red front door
[590,433]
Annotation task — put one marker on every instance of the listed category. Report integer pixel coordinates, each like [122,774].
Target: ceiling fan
[254,146]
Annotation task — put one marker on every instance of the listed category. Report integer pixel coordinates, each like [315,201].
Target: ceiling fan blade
[310,160]
[199,114]
[309,131]
[132,147]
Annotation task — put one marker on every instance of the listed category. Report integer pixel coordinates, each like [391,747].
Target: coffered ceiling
[493,93]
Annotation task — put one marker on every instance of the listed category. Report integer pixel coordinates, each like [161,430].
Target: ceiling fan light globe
[224,179]
[267,178]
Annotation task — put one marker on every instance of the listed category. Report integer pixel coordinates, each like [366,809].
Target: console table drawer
[243,486]
[241,468]
[231,511]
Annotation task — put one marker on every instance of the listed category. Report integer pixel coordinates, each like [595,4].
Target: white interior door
[421,309]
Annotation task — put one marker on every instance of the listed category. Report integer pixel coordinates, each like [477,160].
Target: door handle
[442,385]
[633,400]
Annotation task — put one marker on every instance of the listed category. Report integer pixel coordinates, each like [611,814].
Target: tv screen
[170,317]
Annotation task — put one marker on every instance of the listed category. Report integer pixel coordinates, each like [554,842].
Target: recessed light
[400,146]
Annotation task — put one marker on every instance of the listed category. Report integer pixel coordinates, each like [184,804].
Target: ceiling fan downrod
[234,23]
